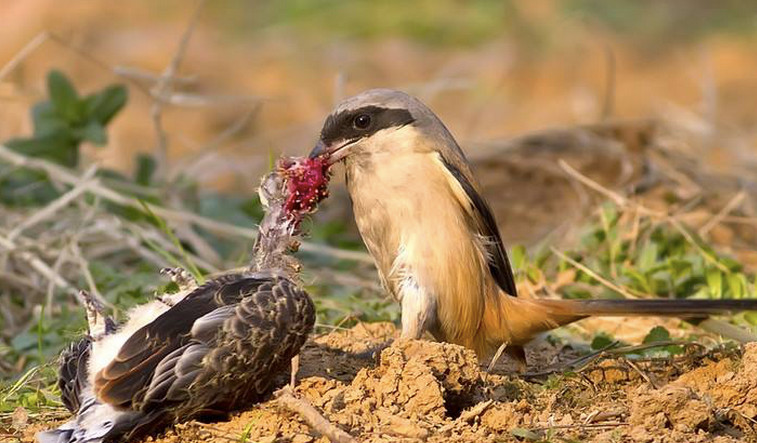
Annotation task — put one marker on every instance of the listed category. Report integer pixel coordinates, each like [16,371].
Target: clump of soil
[380,389]
[719,398]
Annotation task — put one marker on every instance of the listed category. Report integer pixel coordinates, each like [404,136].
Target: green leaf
[639,280]
[679,266]
[601,341]
[518,257]
[737,285]
[525,434]
[533,273]
[715,282]
[751,317]
[63,96]
[103,106]
[46,121]
[59,148]
[657,334]
[647,256]
[146,166]
[574,291]
[94,132]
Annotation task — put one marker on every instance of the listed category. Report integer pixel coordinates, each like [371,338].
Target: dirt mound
[719,398]
[381,390]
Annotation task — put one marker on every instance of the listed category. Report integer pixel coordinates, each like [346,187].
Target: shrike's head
[380,121]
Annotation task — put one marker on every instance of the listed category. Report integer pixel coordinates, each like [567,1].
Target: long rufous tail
[518,320]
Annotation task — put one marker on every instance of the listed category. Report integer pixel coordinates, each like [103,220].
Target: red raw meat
[307,182]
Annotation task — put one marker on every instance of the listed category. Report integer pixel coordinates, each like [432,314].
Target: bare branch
[163,88]
[311,415]
[54,206]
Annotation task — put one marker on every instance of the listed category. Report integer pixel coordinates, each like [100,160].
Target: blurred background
[617,138]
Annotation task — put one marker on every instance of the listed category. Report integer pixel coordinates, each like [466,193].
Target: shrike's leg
[418,309]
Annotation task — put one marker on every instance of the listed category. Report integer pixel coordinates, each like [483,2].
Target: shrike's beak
[319,149]
[333,153]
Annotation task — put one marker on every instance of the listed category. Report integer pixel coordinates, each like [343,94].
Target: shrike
[433,237]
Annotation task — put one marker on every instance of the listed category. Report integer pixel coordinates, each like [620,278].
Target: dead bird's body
[434,239]
[207,350]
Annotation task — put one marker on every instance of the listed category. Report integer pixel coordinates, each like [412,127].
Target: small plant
[66,120]
[61,124]
[651,259]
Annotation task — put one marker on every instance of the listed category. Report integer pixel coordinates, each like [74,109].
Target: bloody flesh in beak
[306,182]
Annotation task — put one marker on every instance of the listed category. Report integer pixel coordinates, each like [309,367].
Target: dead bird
[205,350]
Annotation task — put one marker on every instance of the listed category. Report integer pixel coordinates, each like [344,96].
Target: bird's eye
[362,121]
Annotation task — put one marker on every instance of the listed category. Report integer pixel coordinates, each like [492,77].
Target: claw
[98,323]
[181,277]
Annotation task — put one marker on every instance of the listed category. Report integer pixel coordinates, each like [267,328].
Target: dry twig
[715,220]
[311,415]
[162,91]
[56,205]
[594,275]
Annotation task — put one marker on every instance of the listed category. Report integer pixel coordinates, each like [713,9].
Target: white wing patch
[106,349]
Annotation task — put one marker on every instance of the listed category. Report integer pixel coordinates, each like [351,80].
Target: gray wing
[218,348]
[72,374]
[236,352]
[499,264]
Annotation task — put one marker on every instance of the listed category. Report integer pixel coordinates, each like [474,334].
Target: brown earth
[380,390]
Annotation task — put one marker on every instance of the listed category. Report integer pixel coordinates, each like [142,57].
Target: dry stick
[195,240]
[641,373]
[475,411]
[740,219]
[730,206]
[84,266]
[19,282]
[162,90]
[45,36]
[579,426]
[593,274]
[64,175]
[135,245]
[143,75]
[589,183]
[51,285]
[159,240]
[56,205]
[38,265]
[497,356]
[210,148]
[311,415]
[21,55]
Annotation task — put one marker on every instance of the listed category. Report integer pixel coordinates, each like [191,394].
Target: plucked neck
[278,231]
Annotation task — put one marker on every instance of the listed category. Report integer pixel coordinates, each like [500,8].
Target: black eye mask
[343,125]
